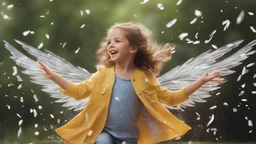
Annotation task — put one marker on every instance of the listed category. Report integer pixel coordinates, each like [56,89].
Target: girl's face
[118,48]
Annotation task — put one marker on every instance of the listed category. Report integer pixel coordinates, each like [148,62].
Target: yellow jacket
[156,123]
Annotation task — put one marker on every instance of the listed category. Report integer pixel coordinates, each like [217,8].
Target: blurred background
[73,31]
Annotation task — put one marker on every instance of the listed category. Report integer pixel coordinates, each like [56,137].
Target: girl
[124,105]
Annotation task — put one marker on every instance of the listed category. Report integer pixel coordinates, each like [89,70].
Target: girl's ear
[133,50]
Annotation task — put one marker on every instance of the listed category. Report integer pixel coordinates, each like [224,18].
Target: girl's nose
[111,44]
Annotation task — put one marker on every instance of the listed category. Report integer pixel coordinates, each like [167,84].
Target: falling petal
[25,33]
[240,17]
[9,107]
[214,130]
[214,46]
[9,85]
[196,42]
[10,6]
[250,123]
[213,107]
[77,50]
[21,99]
[177,138]
[196,35]
[225,104]
[254,76]
[35,113]
[19,78]
[35,97]
[211,36]
[253,29]
[20,122]
[87,11]
[211,120]
[243,85]
[178,3]
[19,132]
[244,100]
[198,13]
[188,40]
[40,45]
[145,1]
[171,23]
[160,6]
[193,21]
[20,86]
[235,110]
[64,44]
[244,71]
[251,13]
[241,93]
[81,12]
[15,71]
[226,23]
[183,35]
[254,84]
[40,107]
[90,133]
[250,64]
[117,98]
[239,78]
[5,16]
[253,92]
[36,125]
[18,115]
[36,133]
[198,118]
[82,26]
[52,116]
[47,36]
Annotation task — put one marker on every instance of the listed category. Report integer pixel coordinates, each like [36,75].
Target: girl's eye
[109,43]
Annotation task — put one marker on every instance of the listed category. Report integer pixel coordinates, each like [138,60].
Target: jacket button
[134,79]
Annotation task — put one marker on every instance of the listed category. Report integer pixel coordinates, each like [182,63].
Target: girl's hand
[215,77]
[46,71]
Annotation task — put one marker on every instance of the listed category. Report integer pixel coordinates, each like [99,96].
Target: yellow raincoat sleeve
[81,90]
[168,97]
[171,98]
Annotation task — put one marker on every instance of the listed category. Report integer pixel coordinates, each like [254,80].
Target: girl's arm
[190,89]
[171,98]
[77,91]
[53,76]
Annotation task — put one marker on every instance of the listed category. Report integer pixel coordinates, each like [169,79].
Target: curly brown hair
[150,55]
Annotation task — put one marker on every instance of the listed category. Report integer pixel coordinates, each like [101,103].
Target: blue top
[123,112]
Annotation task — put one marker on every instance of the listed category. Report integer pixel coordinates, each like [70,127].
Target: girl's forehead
[115,32]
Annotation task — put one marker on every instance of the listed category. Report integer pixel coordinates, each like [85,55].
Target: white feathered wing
[193,68]
[55,63]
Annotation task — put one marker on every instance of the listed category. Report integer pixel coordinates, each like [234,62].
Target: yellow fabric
[156,123]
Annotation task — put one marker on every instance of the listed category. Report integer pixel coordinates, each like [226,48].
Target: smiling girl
[125,97]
